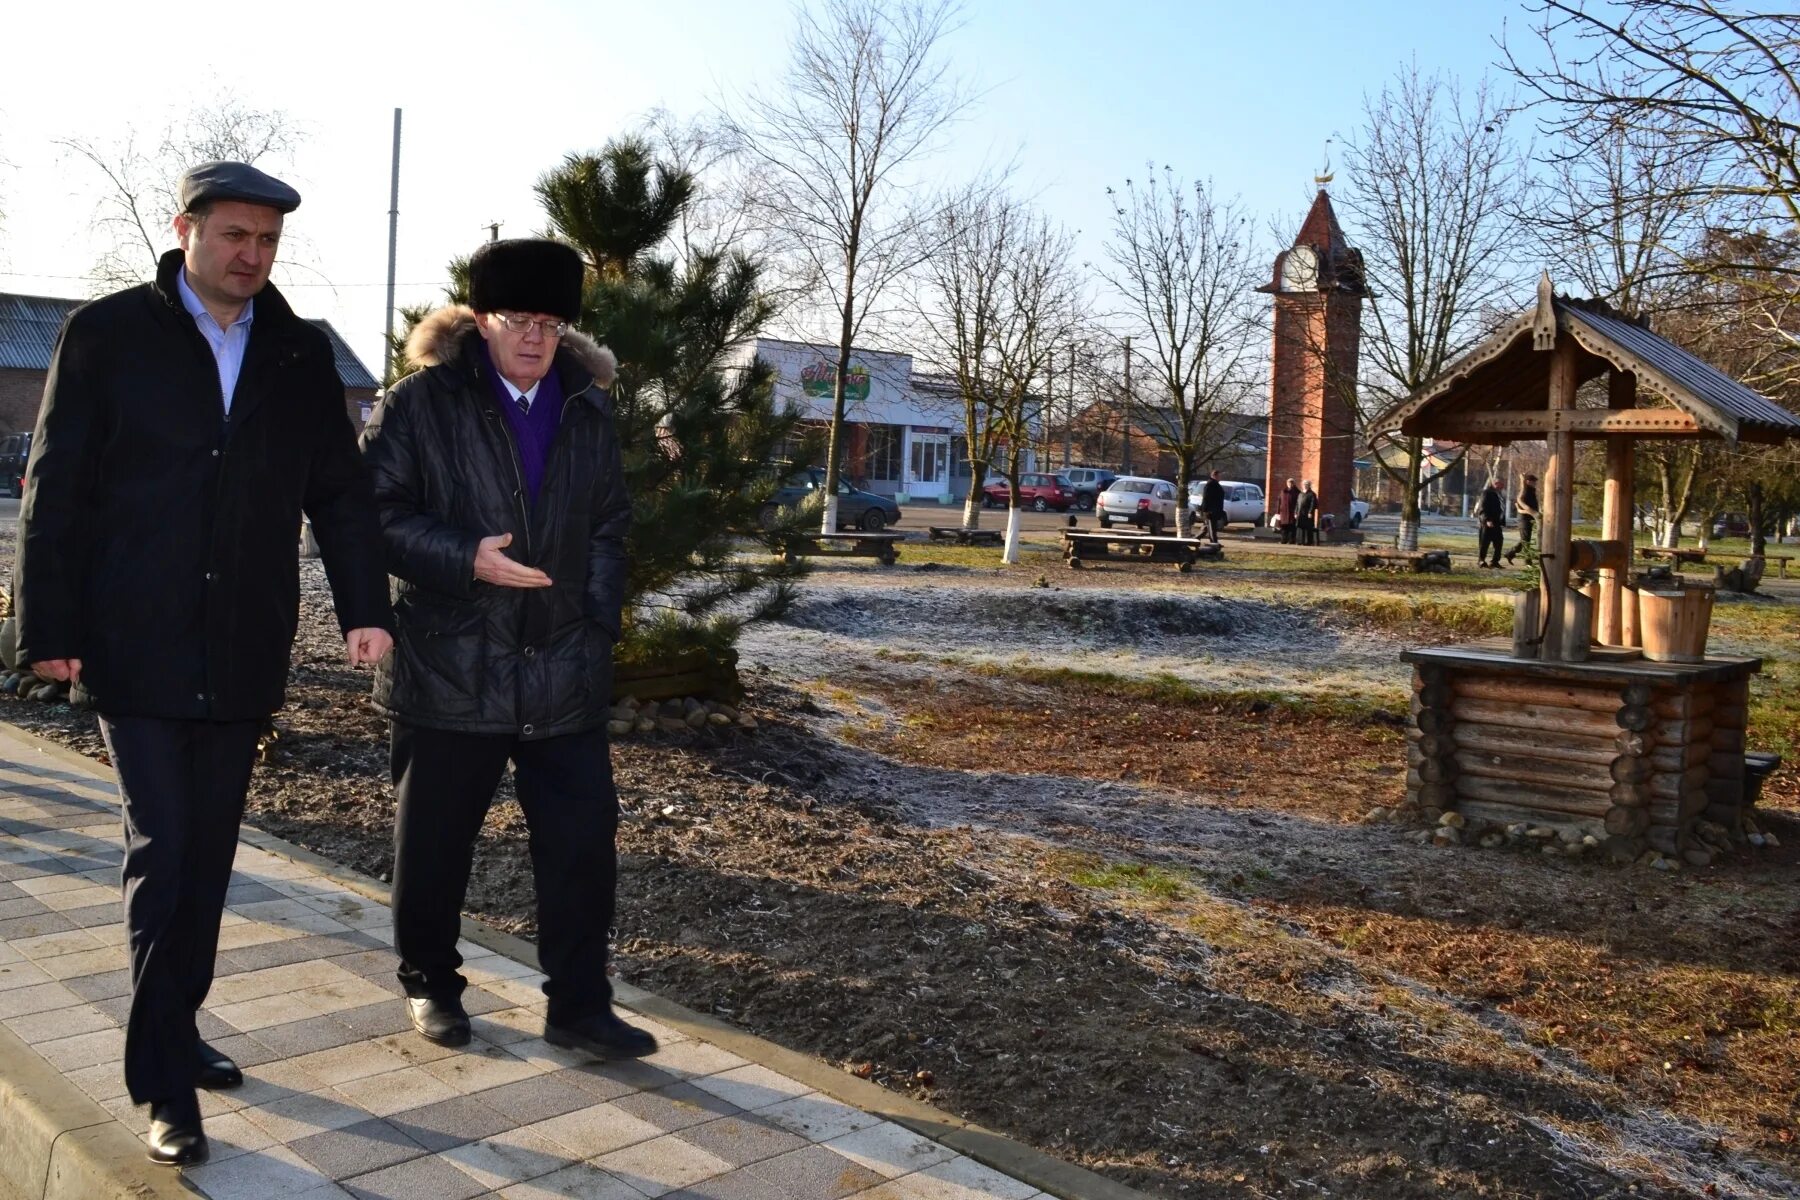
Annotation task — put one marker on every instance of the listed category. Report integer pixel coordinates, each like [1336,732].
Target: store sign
[818,381]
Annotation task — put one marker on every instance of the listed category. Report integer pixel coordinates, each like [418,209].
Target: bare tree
[1184,263]
[138,175]
[1433,179]
[866,97]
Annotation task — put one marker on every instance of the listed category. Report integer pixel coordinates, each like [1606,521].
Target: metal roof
[29,326]
[1510,372]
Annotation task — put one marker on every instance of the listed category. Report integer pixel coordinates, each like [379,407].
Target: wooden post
[1616,511]
[1558,498]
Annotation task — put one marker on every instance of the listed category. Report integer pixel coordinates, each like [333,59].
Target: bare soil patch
[1199,977]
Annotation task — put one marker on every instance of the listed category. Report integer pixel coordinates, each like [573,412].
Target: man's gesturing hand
[492,566]
[367,646]
[63,670]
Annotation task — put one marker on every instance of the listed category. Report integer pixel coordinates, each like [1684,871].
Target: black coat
[471,656]
[1212,497]
[1306,507]
[1493,508]
[159,539]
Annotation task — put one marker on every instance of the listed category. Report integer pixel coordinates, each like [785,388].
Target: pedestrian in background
[1306,512]
[1492,518]
[1212,504]
[1526,505]
[187,425]
[1287,513]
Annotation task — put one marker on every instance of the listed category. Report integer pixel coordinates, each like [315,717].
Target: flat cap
[235,181]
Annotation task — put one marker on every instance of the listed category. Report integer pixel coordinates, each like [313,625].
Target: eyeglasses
[518,324]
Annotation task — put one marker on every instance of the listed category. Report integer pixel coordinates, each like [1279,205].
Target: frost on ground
[1211,641]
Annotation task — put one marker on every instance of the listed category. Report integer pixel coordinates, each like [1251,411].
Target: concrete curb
[57,1144]
[60,1100]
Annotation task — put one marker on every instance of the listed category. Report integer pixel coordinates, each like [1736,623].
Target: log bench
[1406,560]
[1781,561]
[965,537]
[880,546]
[1082,546]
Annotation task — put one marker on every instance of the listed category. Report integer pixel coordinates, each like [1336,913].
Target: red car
[1037,492]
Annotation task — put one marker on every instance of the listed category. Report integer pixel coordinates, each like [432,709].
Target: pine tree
[700,433]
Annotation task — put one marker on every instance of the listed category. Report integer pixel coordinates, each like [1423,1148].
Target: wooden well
[1578,730]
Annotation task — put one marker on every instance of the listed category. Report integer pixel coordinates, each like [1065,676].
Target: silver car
[1138,500]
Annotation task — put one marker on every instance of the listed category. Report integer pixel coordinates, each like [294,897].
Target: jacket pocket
[440,659]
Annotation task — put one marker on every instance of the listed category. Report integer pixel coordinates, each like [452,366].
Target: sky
[1076,96]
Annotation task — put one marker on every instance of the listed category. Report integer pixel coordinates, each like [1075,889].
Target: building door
[928,474]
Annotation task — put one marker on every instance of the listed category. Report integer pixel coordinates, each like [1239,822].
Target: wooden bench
[1080,547]
[879,546]
[965,537]
[1676,555]
[1406,560]
[1781,561]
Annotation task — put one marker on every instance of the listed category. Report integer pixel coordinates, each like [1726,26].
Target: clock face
[1300,270]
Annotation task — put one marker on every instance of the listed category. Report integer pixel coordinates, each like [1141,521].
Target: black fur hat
[528,275]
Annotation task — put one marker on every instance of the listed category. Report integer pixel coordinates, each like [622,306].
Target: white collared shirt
[228,345]
[523,399]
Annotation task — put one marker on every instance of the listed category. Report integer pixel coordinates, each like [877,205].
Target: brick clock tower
[1319,290]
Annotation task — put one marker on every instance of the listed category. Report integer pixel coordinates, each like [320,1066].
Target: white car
[1243,501]
[1138,500]
[1358,510]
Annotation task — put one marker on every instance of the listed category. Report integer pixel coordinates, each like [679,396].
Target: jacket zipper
[512,449]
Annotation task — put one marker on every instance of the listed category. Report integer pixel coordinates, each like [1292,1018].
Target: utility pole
[1125,419]
[494,231]
[387,337]
[1069,422]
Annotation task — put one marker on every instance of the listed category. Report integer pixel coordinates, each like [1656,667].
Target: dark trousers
[1492,536]
[1309,532]
[444,782]
[1215,521]
[183,785]
[1290,533]
[1525,525]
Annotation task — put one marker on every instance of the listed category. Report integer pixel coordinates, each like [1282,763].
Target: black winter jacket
[1493,508]
[159,538]
[470,656]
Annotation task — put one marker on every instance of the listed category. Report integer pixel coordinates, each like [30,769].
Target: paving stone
[577,1182]
[94,916]
[341,1064]
[451,1123]
[421,1179]
[738,1185]
[247,1052]
[50,1026]
[595,1130]
[477,1001]
[958,1179]
[508,1158]
[103,986]
[539,1098]
[34,926]
[480,1067]
[889,1149]
[752,1086]
[36,998]
[249,892]
[816,1118]
[356,1149]
[816,1171]
[300,1115]
[662,1165]
[277,1080]
[103,1082]
[368,962]
[677,1106]
[209,1025]
[85,962]
[306,1036]
[83,1049]
[23,906]
[396,1091]
[229,1134]
[741,1140]
[275,1173]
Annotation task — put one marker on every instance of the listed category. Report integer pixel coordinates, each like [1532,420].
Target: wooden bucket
[1628,616]
[1577,626]
[1592,592]
[1673,624]
[1525,623]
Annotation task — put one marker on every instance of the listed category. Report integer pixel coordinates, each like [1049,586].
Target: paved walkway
[343,1099]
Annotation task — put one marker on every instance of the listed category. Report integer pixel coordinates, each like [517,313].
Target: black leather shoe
[602,1035]
[439,1020]
[216,1070]
[175,1138]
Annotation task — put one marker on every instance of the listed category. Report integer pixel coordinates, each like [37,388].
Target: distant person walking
[187,424]
[1306,510]
[1493,525]
[1212,505]
[1287,513]
[1527,508]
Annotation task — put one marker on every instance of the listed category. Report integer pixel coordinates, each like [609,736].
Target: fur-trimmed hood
[441,337]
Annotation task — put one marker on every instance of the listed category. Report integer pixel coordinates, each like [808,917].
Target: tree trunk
[1757,544]
[836,442]
[1408,536]
[1183,520]
[1011,553]
[977,470]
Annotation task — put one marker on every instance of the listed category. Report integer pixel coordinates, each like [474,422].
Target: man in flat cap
[186,426]
[502,499]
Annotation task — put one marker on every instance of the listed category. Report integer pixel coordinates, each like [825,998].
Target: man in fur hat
[502,500]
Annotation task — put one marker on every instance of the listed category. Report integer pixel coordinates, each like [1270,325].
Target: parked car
[15,448]
[1731,525]
[1358,510]
[1088,483]
[857,509]
[1037,492]
[1243,501]
[1138,500]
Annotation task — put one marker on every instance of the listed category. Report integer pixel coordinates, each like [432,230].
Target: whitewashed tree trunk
[1011,553]
[830,523]
[972,506]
